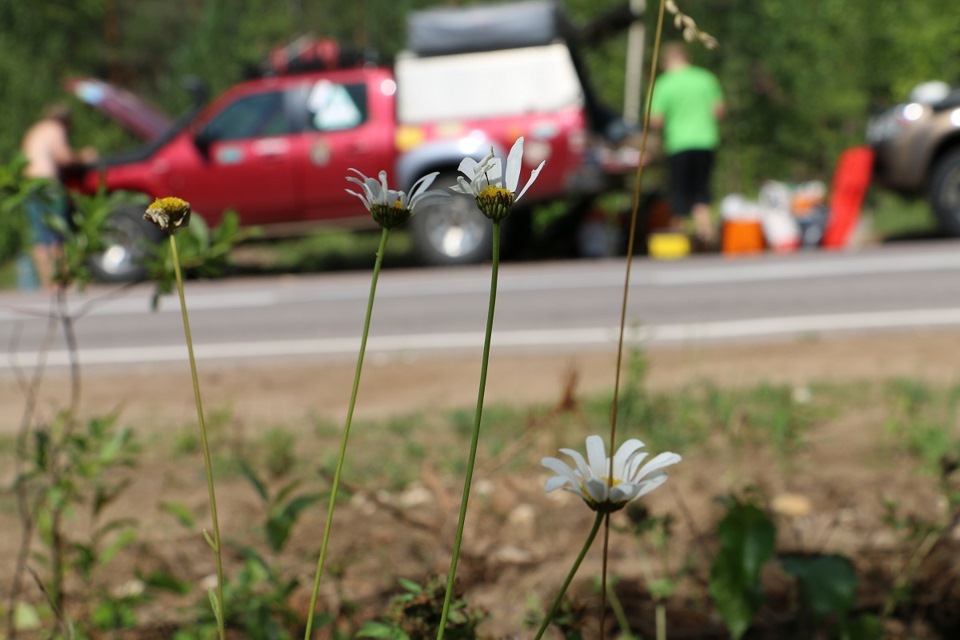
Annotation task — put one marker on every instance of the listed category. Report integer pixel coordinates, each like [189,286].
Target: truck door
[246,161]
[341,135]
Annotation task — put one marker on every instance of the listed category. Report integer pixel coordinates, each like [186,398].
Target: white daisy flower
[486,181]
[591,478]
[389,207]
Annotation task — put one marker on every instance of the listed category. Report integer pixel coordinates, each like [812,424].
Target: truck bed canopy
[486,84]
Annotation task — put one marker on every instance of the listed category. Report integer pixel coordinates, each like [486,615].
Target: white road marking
[590,336]
[398,285]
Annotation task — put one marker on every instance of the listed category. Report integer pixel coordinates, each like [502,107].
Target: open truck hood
[130,111]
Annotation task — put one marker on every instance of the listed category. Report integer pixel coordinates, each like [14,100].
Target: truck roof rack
[311,53]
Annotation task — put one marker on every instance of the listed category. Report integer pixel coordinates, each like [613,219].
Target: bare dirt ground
[519,541]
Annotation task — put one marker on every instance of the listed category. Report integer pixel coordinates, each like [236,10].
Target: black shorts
[690,173]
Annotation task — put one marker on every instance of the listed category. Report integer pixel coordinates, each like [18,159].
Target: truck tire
[453,231]
[945,192]
[128,240]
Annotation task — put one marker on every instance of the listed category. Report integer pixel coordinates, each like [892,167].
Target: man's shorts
[690,173]
[49,202]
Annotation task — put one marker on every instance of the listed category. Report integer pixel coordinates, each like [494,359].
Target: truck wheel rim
[456,230]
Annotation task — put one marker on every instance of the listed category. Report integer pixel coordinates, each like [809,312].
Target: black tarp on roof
[449,30]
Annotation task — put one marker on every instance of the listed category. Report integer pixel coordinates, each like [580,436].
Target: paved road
[553,305]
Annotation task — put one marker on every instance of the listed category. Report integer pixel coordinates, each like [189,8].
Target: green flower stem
[661,618]
[203,439]
[346,433]
[573,571]
[634,213]
[617,607]
[471,461]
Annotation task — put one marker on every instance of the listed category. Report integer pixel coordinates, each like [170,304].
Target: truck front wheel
[452,231]
[128,242]
[945,192]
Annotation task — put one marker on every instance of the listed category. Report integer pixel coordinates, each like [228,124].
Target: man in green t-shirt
[687,105]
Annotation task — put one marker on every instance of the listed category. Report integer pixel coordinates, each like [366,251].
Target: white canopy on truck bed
[486,84]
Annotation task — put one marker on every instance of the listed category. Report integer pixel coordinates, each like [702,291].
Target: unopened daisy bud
[170,214]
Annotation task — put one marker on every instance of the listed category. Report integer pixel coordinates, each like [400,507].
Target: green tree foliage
[801,77]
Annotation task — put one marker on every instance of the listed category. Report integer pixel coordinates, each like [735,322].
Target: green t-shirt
[685,98]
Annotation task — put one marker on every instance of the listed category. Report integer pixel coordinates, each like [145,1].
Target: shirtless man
[47,148]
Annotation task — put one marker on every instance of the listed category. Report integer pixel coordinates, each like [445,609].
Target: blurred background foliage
[801,77]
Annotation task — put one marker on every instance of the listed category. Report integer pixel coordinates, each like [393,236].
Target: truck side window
[254,116]
[334,107]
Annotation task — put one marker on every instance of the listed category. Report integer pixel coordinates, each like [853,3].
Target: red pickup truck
[277,149]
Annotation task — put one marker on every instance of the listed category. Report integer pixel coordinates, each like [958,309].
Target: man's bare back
[47,147]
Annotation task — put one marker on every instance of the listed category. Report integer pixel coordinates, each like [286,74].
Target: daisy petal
[423,184]
[651,483]
[556,482]
[463,186]
[624,492]
[597,456]
[365,202]
[577,491]
[533,177]
[468,167]
[596,489]
[559,467]
[633,464]
[660,461]
[422,199]
[514,160]
[623,455]
[581,463]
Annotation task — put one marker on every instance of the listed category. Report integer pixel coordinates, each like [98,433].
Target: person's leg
[701,169]
[45,258]
[679,168]
[47,250]
[703,224]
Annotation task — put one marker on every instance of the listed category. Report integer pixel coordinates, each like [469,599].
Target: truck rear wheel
[452,231]
[945,192]
[128,242]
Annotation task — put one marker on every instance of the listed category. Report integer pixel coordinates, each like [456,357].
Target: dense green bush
[801,77]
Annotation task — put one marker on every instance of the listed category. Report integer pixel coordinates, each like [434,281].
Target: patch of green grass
[325,427]
[8,274]
[186,440]
[893,217]
[279,448]
[389,453]
[924,419]
[328,250]
[8,444]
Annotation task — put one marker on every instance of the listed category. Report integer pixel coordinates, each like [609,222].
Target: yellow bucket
[668,246]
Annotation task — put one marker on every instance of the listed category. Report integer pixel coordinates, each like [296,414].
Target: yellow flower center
[169,213]
[390,216]
[495,202]
[493,191]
